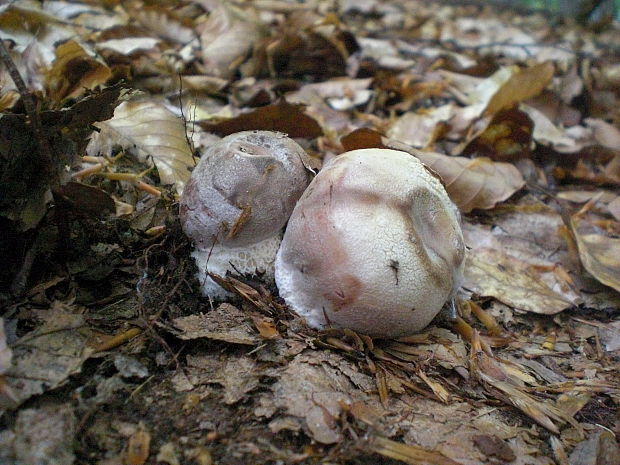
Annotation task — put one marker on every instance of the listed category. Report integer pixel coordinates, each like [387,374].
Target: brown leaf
[410,454]
[507,137]
[280,116]
[599,252]
[524,84]
[363,138]
[266,328]
[85,199]
[492,446]
[74,71]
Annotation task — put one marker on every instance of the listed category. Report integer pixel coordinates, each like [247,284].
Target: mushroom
[237,201]
[373,245]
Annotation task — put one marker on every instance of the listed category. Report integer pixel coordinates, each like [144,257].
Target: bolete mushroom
[237,201]
[373,245]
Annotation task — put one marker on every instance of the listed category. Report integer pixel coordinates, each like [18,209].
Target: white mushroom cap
[374,245]
[238,199]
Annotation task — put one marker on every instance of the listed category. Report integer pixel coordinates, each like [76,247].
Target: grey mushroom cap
[373,245]
[243,189]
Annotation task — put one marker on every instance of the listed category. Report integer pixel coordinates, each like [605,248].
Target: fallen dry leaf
[410,454]
[523,84]
[599,251]
[43,359]
[508,137]
[74,71]
[280,116]
[421,129]
[153,133]
[225,323]
[44,435]
[547,133]
[238,375]
[601,448]
[490,272]
[226,37]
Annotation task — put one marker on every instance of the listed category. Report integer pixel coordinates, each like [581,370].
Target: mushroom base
[252,259]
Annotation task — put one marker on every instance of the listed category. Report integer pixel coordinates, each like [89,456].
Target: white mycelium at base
[255,258]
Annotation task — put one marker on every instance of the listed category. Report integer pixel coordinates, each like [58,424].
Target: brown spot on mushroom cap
[243,189]
[365,210]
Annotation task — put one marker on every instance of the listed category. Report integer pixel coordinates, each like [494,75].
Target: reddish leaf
[280,116]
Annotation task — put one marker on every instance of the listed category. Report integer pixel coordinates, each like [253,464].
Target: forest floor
[110,355]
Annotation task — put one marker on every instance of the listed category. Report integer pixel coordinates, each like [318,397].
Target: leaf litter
[109,356]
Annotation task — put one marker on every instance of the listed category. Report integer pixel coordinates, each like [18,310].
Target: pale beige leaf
[150,131]
[420,129]
[599,252]
[128,45]
[474,183]
[562,140]
[492,273]
[163,23]
[605,134]
[227,36]
[614,208]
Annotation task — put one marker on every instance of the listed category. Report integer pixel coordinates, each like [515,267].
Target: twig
[45,149]
[184,119]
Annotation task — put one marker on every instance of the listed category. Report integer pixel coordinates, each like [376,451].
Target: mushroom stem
[252,259]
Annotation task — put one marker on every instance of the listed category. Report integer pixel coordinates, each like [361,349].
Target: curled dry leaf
[74,70]
[150,131]
[478,183]
[598,251]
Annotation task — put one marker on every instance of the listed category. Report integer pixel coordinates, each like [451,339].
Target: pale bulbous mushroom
[237,201]
[373,245]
